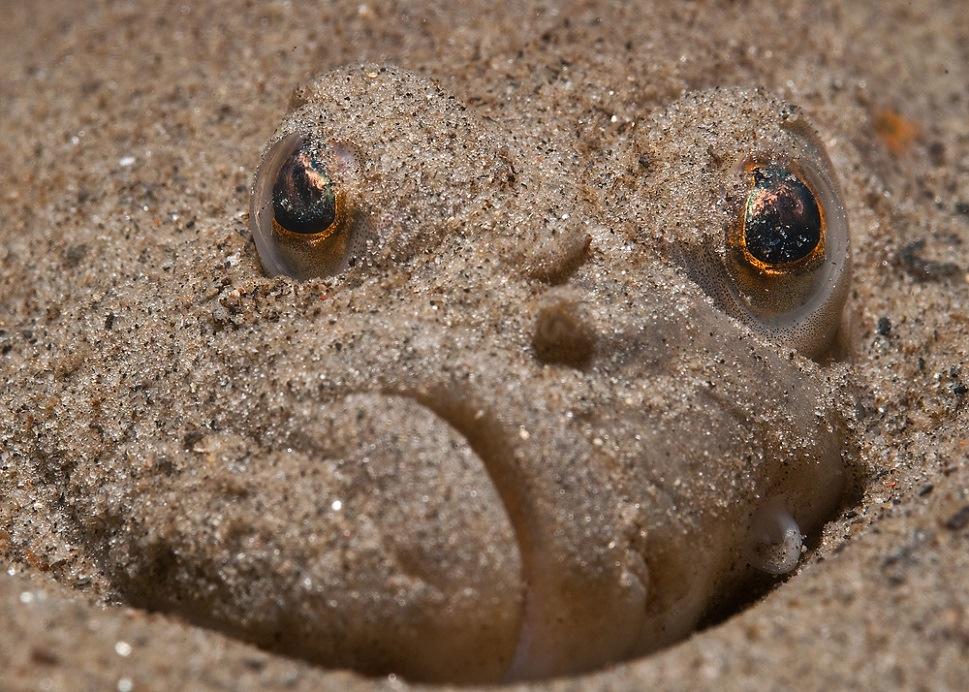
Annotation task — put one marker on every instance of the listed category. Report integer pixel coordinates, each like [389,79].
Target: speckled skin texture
[180,426]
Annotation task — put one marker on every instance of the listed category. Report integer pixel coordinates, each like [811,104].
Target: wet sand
[130,133]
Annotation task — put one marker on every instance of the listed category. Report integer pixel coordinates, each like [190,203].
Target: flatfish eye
[782,225]
[787,247]
[304,208]
[304,198]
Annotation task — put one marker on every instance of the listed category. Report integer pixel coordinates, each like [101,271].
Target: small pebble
[884,326]
[959,520]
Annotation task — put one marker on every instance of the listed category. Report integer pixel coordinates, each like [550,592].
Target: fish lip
[489,440]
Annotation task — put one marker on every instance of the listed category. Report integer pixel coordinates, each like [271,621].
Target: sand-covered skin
[156,145]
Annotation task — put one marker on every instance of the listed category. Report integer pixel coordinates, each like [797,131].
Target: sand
[130,134]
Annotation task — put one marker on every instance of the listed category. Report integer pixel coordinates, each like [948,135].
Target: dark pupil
[782,222]
[303,199]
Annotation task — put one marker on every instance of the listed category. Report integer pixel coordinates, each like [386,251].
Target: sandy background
[144,121]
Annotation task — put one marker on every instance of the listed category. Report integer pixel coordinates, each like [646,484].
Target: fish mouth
[491,443]
[562,632]
[670,576]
